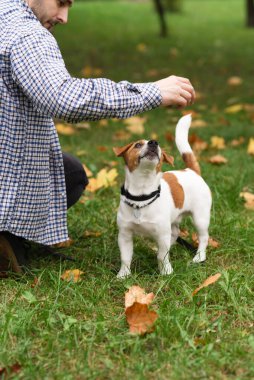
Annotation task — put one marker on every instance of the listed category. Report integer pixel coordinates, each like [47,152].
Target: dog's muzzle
[152,150]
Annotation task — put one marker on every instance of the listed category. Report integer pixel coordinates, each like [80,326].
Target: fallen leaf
[249,200]
[237,142]
[65,129]
[121,135]
[211,242]
[89,71]
[169,137]
[197,143]
[102,148]
[234,109]
[250,149]
[248,107]
[88,171]
[174,52]
[184,233]
[140,319]
[135,125]
[83,125]
[154,136]
[73,275]
[218,142]
[137,294]
[218,160]
[198,123]
[103,123]
[35,282]
[141,48]
[152,73]
[235,81]
[64,244]
[14,368]
[210,280]
[91,234]
[103,179]
[81,152]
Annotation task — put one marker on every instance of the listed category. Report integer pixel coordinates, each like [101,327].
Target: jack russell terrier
[153,203]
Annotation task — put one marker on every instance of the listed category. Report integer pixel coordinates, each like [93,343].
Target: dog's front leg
[125,242]
[164,243]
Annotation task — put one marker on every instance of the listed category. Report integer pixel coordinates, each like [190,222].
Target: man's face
[50,12]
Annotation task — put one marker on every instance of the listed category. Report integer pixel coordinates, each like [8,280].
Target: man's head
[50,12]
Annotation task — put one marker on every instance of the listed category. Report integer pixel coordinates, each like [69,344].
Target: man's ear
[119,151]
[167,158]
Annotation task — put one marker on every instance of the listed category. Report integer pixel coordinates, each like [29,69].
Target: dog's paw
[165,270]
[199,258]
[123,273]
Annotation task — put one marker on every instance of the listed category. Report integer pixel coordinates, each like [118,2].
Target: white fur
[160,220]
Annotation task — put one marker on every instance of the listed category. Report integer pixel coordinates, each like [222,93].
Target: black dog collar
[140,198]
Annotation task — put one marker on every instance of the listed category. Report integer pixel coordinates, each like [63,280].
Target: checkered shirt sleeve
[39,70]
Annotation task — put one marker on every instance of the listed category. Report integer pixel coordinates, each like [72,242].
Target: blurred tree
[250,13]
[161,12]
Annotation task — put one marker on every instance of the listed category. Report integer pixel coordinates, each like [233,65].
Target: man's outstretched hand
[176,91]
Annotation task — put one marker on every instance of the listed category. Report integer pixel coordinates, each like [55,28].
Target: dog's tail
[182,143]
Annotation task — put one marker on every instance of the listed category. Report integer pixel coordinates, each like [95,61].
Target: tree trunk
[250,13]
[160,10]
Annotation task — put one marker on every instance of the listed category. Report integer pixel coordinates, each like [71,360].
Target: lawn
[61,330]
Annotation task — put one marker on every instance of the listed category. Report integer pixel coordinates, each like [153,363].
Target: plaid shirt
[34,88]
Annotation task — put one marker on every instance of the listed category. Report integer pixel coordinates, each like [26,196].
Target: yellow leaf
[135,125]
[198,123]
[65,129]
[103,179]
[250,149]
[217,142]
[234,109]
[235,81]
[73,275]
[103,123]
[88,171]
[154,136]
[210,280]
[140,319]
[137,129]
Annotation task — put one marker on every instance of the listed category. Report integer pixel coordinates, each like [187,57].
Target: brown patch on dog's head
[164,158]
[175,188]
[130,154]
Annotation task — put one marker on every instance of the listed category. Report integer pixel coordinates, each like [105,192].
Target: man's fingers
[188,88]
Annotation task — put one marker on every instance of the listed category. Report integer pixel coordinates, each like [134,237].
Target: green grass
[59,330]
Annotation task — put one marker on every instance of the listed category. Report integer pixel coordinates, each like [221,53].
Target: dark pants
[75,179]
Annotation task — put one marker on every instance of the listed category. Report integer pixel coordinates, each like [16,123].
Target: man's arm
[38,69]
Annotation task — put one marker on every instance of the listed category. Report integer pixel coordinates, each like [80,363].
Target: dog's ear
[119,151]
[167,158]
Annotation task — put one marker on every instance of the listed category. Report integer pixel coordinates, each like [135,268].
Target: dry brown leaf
[210,280]
[211,242]
[137,294]
[102,148]
[248,107]
[135,125]
[73,275]
[218,142]
[7,371]
[184,233]
[198,123]
[218,160]
[152,73]
[91,234]
[235,81]
[35,282]
[197,143]
[249,200]
[169,137]
[237,142]
[64,244]
[103,123]
[250,148]
[89,71]
[121,135]
[65,129]
[140,319]
[234,109]
[194,114]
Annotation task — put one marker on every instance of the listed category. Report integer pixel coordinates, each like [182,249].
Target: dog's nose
[152,144]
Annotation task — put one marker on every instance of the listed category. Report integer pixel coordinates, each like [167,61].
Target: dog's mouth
[150,155]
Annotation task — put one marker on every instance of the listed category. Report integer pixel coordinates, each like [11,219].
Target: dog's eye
[138,145]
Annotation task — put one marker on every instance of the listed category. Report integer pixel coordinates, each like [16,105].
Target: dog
[153,203]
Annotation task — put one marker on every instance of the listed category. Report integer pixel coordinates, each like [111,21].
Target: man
[38,182]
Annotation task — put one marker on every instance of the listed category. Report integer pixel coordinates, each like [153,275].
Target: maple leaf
[210,280]
[250,148]
[217,142]
[73,275]
[137,294]
[218,160]
[65,129]
[140,318]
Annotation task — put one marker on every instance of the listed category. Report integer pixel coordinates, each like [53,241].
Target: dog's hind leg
[125,242]
[202,225]
[164,243]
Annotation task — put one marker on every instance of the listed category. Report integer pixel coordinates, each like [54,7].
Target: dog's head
[143,154]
